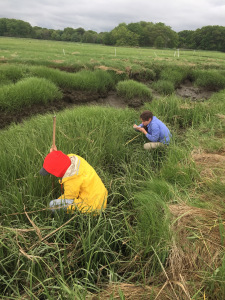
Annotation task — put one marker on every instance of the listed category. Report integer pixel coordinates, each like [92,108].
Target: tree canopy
[143,34]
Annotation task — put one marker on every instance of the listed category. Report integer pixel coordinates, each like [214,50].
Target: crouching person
[83,188]
[155,130]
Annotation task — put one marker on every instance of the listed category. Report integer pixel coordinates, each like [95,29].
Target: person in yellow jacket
[83,188]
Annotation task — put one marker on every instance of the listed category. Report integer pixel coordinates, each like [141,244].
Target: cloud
[101,15]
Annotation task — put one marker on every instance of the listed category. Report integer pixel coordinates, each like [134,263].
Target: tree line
[143,34]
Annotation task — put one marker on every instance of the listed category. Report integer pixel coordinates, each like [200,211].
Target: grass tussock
[130,89]
[164,87]
[210,79]
[176,74]
[85,80]
[28,92]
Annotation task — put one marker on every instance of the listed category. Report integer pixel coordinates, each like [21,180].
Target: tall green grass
[11,73]
[141,73]
[164,87]
[176,75]
[130,89]
[45,256]
[210,79]
[86,80]
[88,249]
[27,92]
[97,80]
[69,256]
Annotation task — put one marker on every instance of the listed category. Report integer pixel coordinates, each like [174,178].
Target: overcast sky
[104,15]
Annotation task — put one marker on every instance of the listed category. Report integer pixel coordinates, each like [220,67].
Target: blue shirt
[157,131]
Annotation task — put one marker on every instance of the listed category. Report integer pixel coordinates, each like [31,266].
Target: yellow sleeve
[72,188]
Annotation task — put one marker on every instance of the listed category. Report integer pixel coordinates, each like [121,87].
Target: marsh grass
[27,92]
[210,79]
[46,256]
[11,72]
[164,87]
[99,244]
[85,80]
[152,228]
[70,255]
[141,73]
[32,85]
[130,89]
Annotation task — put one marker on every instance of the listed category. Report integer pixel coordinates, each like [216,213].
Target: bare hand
[135,126]
[53,148]
[139,128]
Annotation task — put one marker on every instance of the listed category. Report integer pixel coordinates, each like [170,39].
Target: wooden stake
[53,144]
[54,126]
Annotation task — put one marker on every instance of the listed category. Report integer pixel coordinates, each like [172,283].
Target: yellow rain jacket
[82,183]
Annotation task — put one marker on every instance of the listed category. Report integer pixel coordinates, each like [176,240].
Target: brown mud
[187,90]
[111,99]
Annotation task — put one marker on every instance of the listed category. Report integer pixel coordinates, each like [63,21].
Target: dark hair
[146,115]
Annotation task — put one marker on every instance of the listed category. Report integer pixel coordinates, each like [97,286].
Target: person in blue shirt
[155,130]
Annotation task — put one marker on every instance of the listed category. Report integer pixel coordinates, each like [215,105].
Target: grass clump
[174,74]
[130,89]
[27,92]
[152,234]
[141,73]
[98,81]
[11,72]
[210,79]
[178,113]
[164,87]
[85,80]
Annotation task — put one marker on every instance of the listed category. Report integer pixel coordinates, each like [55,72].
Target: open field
[162,235]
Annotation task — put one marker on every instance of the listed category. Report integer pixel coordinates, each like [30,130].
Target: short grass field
[162,235]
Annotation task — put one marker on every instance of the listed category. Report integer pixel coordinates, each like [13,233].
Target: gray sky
[104,15]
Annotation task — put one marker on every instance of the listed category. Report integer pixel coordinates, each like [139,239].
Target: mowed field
[162,235]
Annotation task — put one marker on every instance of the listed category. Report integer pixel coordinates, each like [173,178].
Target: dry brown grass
[197,246]
[58,61]
[198,242]
[132,292]
[211,165]
[105,68]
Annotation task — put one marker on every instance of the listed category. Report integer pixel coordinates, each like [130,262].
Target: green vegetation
[164,87]
[100,69]
[210,79]
[130,89]
[84,80]
[143,34]
[163,228]
[175,74]
[27,92]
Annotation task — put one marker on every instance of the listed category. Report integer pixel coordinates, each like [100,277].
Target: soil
[187,90]
[72,98]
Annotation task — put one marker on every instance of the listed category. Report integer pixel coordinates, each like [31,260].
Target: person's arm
[154,136]
[138,127]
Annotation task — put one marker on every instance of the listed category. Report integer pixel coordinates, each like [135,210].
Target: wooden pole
[53,137]
[53,144]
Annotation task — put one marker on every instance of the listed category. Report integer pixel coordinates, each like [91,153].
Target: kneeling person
[83,188]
